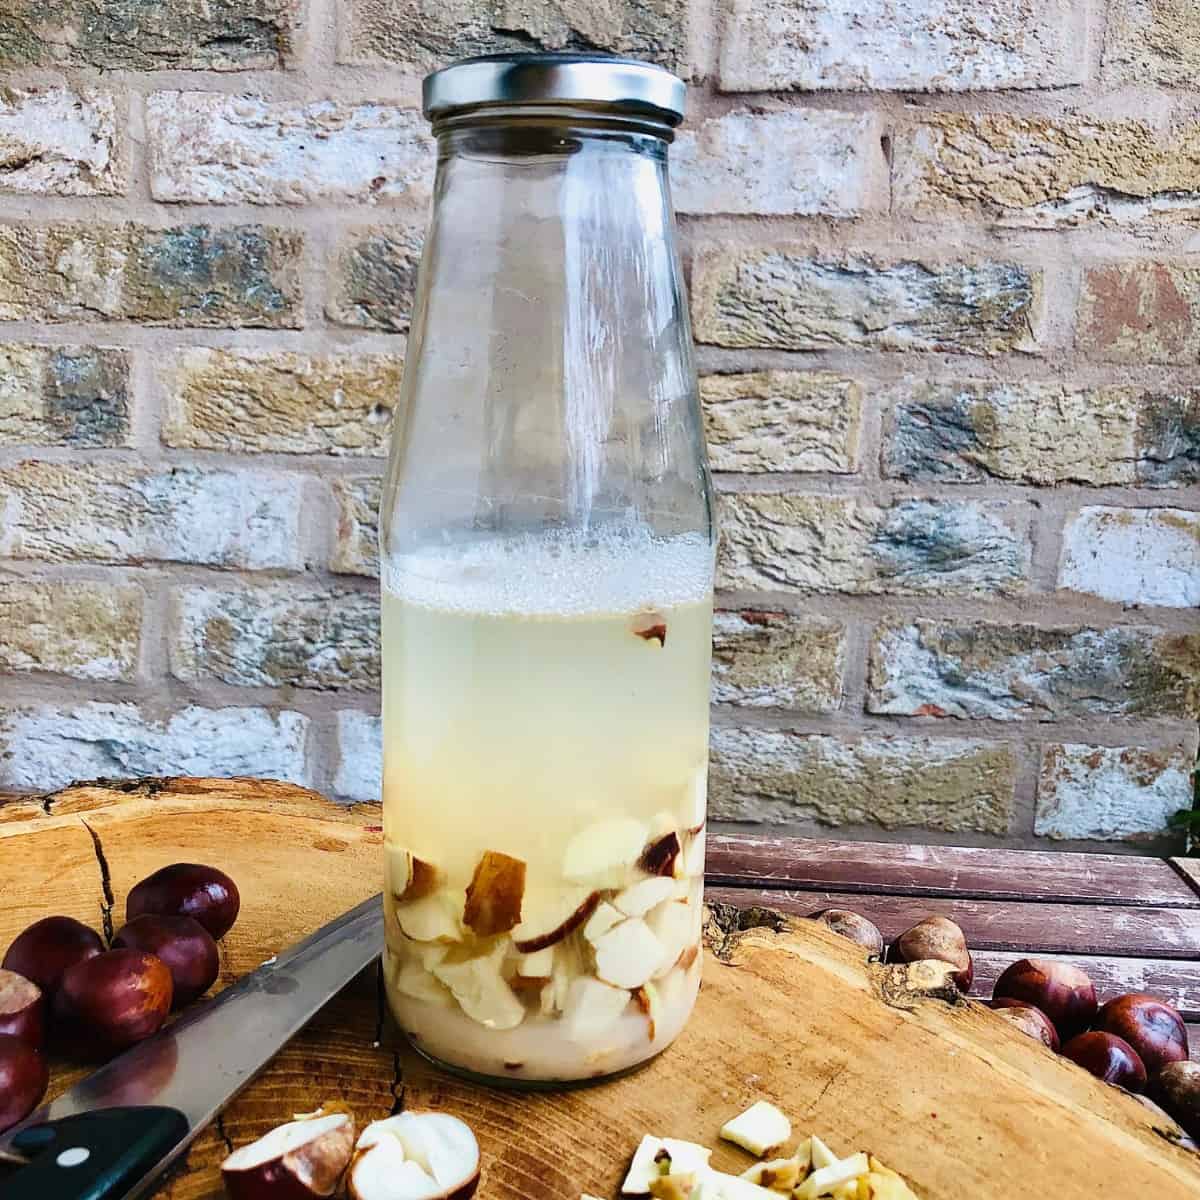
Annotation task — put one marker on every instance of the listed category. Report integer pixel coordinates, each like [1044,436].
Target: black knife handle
[95,1155]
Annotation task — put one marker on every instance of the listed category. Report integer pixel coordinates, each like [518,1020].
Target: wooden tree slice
[939,1088]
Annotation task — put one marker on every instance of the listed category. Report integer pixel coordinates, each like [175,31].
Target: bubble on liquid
[556,574]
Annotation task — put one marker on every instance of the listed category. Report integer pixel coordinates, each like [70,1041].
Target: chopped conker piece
[494,894]
[651,627]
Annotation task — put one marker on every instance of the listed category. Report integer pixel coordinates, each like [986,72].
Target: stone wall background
[946,284]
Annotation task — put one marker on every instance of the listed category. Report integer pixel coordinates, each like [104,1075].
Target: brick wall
[945,258]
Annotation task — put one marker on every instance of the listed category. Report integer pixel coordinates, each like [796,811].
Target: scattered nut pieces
[762,1129]
[653,1153]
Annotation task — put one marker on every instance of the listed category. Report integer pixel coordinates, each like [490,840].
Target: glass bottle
[547,546]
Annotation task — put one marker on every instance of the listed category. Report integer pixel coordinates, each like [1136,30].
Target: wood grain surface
[946,1093]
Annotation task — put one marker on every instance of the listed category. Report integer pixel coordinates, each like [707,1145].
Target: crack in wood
[219,1126]
[105,881]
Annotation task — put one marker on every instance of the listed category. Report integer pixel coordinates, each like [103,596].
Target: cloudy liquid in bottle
[545,758]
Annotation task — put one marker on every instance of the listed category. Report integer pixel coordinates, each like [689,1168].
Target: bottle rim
[601,84]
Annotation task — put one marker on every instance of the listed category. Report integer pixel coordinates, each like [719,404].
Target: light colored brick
[777,660]
[356,540]
[65,512]
[284,636]
[1026,672]
[1138,556]
[771,776]
[1042,172]
[79,628]
[1136,312]
[47,746]
[782,421]
[785,541]
[373,278]
[782,298]
[216,35]
[1152,41]
[210,148]
[60,142]
[64,396]
[900,45]
[281,402]
[796,162]
[426,36]
[189,275]
[976,431]
[1112,793]
[360,757]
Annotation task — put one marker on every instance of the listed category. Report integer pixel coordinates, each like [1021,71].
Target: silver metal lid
[597,81]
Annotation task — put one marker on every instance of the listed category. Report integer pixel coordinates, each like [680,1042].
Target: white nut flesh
[415,1156]
[602,853]
[641,897]
[430,919]
[648,1162]
[591,1008]
[482,991]
[551,917]
[629,954]
[762,1129]
[313,1152]
[601,921]
[825,1179]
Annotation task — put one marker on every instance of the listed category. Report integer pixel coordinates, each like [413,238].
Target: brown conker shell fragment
[494,894]
[660,856]
[651,627]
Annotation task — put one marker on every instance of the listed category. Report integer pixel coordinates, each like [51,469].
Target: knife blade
[112,1134]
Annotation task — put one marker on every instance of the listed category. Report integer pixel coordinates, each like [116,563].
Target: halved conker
[22,1008]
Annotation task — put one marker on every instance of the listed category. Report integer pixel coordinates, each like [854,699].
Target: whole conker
[939,938]
[183,944]
[1154,1029]
[1063,992]
[1028,1020]
[113,1000]
[1108,1057]
[48,947]
[853,926]
[22,1008]
[187,890]
[1177,1088]
[23,1079]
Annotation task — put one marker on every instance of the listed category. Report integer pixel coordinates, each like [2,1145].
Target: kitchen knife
[112,1134]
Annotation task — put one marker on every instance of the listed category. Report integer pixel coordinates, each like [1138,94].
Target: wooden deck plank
[1139,932]
[801,863]
[1189,869]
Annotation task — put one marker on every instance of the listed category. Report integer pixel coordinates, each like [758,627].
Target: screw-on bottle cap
[599,82]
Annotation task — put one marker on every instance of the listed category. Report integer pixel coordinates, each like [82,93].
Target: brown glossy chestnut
[23,1079]
[1063,992]
[183,944]
[1108,1057]
[48,947]
[187,890]
[1154,1029]
[113,1000]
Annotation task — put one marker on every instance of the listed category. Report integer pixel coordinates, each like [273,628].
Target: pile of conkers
[1135,1041]
[60,986]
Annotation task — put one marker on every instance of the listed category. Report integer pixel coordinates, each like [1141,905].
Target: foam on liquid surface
[555,575]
